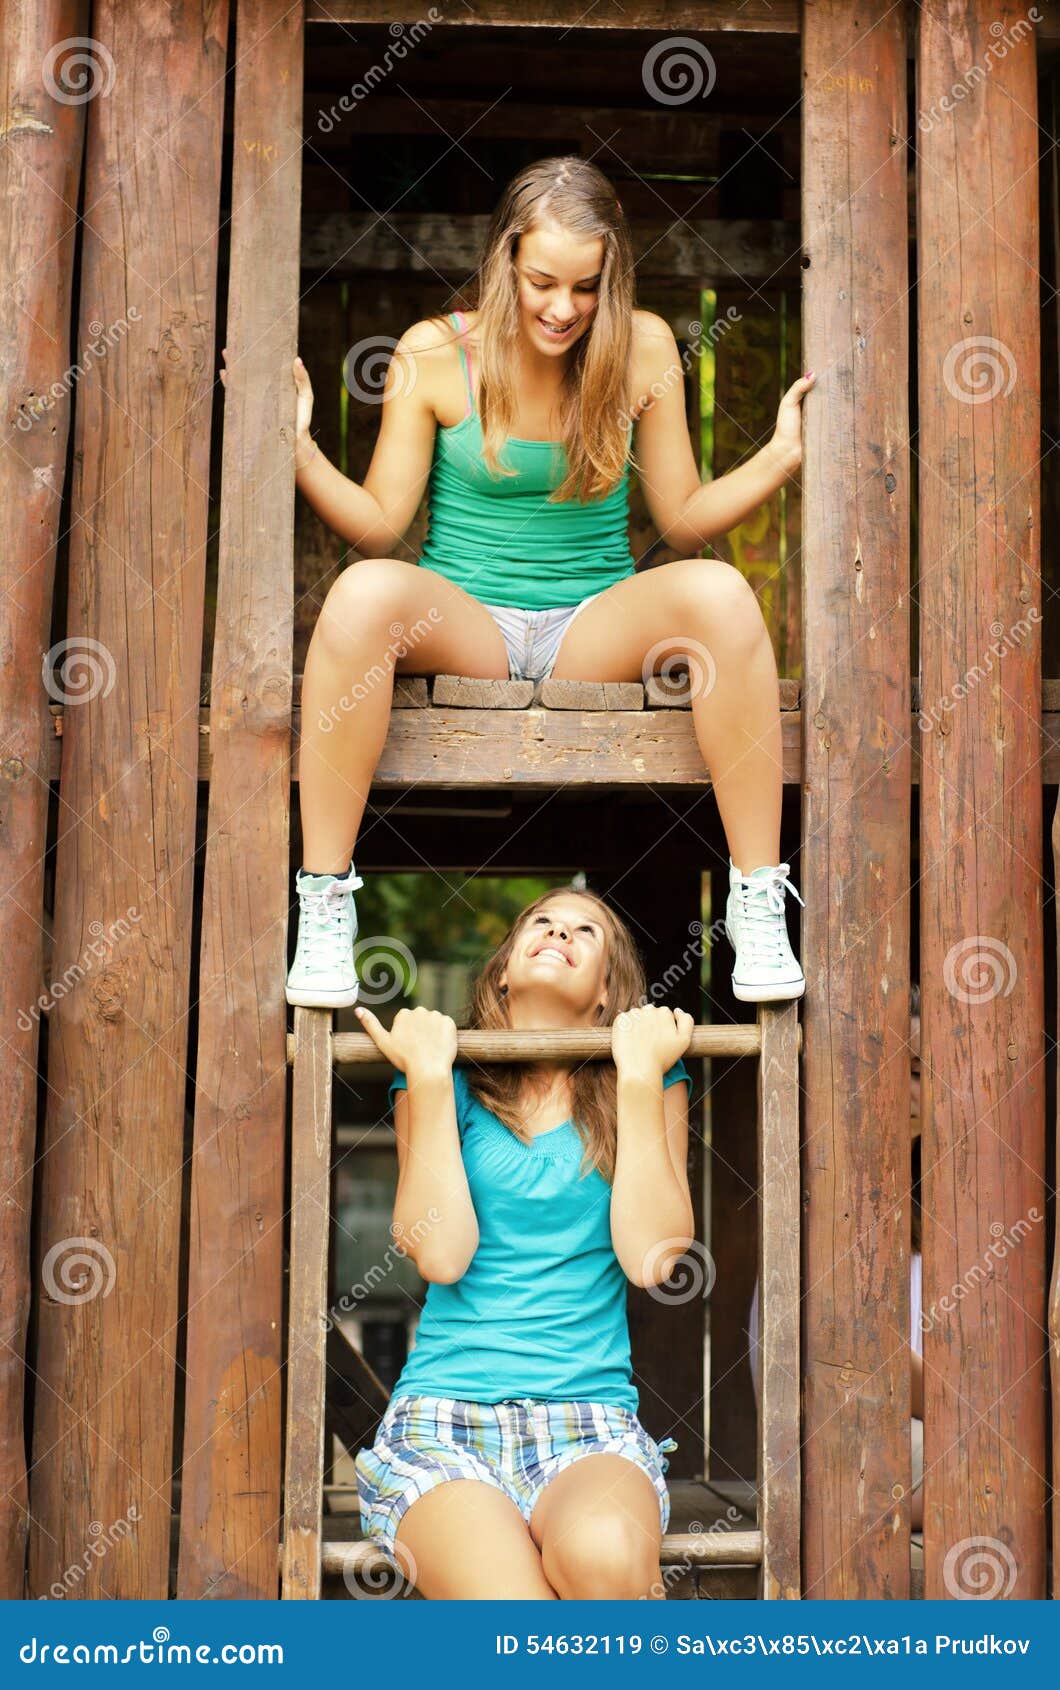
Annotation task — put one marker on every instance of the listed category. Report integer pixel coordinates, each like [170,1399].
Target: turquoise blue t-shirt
[541,1310]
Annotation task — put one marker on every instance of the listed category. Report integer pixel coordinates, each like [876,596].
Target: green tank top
[500,539]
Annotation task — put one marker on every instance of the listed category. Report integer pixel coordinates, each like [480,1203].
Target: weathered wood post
[856,802]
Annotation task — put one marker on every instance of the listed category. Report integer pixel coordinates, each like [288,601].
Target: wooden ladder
[773,1548]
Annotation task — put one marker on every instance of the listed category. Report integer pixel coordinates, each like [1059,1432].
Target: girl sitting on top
[526,571]
[510,1461]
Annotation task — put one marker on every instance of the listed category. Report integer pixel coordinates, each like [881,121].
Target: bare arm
[652,1220]
[374,516]
[689,513]
[434,1218]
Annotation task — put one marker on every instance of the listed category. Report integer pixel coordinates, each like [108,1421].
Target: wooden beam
[654,748]
[229,1524]
[767,17]
[40,168]
[855,862]
[113,1148]
[981,940]
[704,250]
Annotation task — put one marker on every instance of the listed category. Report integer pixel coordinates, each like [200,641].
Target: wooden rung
[551,694]
[465,692]
[690,1549]
[738,1038]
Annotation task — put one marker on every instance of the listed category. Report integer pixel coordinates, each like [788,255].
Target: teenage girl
[520,418]
[510,1461]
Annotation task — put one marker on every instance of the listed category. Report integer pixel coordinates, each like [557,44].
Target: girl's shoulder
[653,354]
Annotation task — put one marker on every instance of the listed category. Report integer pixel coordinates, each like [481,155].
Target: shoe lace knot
[761,902]
[326,918]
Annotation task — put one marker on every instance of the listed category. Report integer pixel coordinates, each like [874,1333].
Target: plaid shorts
[517,1445]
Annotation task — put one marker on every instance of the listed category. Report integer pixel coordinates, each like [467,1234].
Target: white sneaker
[767,969]
[322,974]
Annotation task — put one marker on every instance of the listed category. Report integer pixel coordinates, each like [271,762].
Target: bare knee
[717,604]
[365,599]
[604,1553]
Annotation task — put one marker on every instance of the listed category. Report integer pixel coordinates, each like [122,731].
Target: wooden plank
[779,1419]
[231,1471]
[114,1130]
[1054,1283]
[856,801]
[771,17]
[551,694]
[981,942]
[703,249]
[307,1334]
[674,692]
[40,167]
[466,692]
[658,749]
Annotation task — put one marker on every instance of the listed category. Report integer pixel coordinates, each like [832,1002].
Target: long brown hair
[595,400]
[594,1099]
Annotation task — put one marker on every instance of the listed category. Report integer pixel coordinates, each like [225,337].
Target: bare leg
[705,609]
[599,1529]
[382,616]
[466,1540]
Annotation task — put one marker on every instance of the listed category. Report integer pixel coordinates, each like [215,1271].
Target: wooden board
[308,1302]
[779,1483]
[854,868]
[44,138]
[114,1130]
[777,17]
[229,1527]
[983,1095]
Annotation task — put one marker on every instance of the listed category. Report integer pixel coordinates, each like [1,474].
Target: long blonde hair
[594,1091]
[595,399]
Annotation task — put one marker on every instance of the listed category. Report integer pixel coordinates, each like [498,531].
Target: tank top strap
[462,324]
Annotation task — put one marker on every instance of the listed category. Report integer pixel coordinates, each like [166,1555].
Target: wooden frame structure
[107,1178]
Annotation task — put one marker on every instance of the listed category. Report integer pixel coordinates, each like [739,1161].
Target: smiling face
[558,284]
[556,971]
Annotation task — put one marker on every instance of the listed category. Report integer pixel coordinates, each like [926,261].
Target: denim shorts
[533,636]
[517,1445]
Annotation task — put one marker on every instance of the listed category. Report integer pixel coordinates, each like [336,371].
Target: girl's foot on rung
[322,975]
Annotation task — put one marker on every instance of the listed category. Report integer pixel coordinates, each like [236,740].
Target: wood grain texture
[779,1484]
[40,167]
[230,1505]
[775,17]
[308,1304]
[981,938]
[110,1187]
[855,862]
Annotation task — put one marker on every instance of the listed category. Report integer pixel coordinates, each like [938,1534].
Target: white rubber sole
[305,997]
[768,993]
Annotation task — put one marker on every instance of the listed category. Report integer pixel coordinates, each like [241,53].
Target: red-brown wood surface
[983,1096]
[111,1166]
[40,165]
[854,866]
[230,1493]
